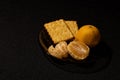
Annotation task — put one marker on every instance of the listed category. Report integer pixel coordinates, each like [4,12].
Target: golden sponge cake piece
[72,25]
[58,30]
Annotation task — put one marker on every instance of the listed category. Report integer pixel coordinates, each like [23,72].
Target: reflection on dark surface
[99,58]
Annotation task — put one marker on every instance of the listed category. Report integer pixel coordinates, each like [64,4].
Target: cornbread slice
[72,25]
[58,30]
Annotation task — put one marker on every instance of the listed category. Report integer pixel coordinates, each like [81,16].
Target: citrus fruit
[78,50]
[59,51]
[88,34]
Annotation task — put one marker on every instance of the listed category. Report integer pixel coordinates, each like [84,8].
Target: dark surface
[22,58]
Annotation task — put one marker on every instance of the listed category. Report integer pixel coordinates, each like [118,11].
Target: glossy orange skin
[88,34]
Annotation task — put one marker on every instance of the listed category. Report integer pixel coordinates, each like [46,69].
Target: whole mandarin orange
[88,34]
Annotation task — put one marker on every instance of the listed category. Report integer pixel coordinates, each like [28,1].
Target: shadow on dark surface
[99,58]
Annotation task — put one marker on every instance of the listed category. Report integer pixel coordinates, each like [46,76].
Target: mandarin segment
[59,51]
[78,50]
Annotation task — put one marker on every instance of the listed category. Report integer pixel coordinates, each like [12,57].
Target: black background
[21,57]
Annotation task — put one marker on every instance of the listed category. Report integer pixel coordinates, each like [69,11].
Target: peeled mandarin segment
[78,50]
[53,52]
[61,48]
[60,51]
[88,34]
